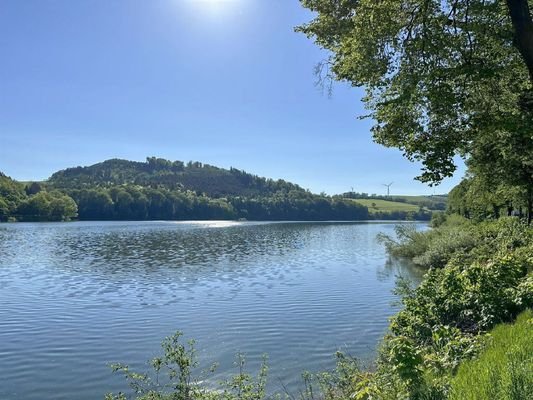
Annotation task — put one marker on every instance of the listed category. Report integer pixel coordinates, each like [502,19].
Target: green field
[377,205]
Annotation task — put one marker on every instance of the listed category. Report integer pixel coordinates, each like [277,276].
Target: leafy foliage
[169,190]
[457,238]
[130,202]
[175,376]
[31,203]
[11,194]
[47,206]
[442,77]
[472,298]
[478,199]
[159,189]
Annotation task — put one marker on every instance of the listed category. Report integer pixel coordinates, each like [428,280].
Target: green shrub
[504,371]
[503,235]
[443,245]
[409,242]
[173,377]
[437,219]
[471,298]
[459,239]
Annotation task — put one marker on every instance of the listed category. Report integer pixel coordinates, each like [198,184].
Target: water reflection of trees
[398,267]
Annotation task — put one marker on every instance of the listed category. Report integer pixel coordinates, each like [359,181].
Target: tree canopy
[442,78]
[11,194]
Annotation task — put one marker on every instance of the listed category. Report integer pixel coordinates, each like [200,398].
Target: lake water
[75,297]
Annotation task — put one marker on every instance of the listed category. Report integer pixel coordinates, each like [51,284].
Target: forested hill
[172,175]
[159,189]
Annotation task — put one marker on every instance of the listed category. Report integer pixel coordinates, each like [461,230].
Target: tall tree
[442,77]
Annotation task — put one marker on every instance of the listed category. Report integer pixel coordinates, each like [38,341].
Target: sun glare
[216,8]
[216,2]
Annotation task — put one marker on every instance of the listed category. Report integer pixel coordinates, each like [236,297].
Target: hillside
[433,203]
[376,205]
[158,189]
[160,173]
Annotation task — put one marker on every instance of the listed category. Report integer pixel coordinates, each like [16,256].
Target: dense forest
[172,175]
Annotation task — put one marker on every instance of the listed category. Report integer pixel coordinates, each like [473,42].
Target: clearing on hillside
[376,205]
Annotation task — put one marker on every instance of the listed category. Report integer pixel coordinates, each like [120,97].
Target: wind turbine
[388,188]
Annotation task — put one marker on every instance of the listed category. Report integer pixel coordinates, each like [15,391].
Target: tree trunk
[496,211]
[529,205]
[523,31]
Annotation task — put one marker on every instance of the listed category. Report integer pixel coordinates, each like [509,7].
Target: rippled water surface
[75,297]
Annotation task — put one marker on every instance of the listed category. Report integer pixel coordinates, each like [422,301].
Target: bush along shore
[465,333]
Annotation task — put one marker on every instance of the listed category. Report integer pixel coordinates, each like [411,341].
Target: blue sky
[225,82]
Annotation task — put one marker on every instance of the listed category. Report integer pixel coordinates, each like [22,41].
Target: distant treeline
[138,203]
[172,190]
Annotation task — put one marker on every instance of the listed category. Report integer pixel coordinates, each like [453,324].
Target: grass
[377,205]
[504,371]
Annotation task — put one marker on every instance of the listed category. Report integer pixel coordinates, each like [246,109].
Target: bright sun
[216,5]
[216,1]
[217,8]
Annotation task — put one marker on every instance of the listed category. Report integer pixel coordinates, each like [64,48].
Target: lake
[75,297]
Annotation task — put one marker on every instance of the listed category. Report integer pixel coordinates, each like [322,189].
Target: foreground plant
[175,376]
[172,376]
